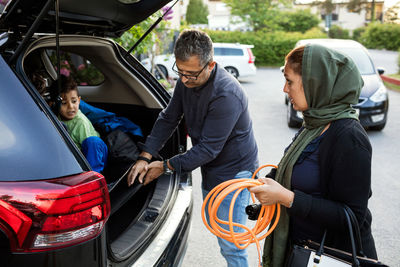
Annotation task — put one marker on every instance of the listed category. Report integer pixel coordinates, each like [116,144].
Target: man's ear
[211,65]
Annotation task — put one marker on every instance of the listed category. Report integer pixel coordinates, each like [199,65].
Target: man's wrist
[143,158]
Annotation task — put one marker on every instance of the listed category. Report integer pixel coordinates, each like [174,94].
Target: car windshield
[359,57]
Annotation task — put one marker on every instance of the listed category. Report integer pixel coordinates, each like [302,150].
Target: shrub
[338,32]
[357,33]
[382,36]
[270,48]
[298,21]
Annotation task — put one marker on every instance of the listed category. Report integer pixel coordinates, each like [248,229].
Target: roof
[331,43]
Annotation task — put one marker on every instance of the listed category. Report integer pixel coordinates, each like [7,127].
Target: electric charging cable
[242,240]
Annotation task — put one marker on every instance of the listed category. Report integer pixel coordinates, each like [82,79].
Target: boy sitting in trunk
[79,127]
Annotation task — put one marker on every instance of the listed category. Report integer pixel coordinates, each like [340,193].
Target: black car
[54,210]
[373,103]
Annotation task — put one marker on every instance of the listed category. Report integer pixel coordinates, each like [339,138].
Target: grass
[392,86]
[397,76]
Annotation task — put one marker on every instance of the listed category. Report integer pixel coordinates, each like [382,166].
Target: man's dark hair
[194,43]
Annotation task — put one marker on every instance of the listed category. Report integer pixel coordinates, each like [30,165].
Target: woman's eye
[63,103]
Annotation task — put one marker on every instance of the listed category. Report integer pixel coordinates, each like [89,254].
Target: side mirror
[380,70]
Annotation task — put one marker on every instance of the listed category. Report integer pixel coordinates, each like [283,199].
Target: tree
[258,14]
[196,12]
[155,43]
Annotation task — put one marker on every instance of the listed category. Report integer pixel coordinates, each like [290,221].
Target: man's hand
[140,168]
[155,169]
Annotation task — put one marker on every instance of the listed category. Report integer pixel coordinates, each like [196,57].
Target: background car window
[361,59]
[81,69]
[219,51]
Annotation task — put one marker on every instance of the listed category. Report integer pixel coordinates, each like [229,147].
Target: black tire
[292,121]
[232,71]
[157,73]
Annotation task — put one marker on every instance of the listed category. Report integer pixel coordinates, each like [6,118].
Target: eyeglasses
[188,76]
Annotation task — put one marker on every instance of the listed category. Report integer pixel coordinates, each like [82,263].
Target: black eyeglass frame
[187,76]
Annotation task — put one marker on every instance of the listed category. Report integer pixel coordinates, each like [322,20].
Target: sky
[389,3]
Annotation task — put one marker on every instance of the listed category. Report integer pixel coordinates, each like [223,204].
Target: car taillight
[252,58]
[49,214]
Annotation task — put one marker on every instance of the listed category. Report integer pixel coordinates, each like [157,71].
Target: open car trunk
[124,87]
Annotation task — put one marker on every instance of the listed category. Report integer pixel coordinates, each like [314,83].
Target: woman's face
[294,89]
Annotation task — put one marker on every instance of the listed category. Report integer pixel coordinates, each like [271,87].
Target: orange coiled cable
[241,239]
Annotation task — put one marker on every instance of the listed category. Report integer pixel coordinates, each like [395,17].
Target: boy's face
[69,105]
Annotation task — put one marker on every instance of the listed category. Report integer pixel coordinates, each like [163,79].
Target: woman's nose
[285,89]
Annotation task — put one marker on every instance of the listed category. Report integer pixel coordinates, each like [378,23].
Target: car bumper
[169,247]
[373,114]
[249,70]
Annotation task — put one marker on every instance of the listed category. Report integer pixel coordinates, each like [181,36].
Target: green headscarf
[332,83]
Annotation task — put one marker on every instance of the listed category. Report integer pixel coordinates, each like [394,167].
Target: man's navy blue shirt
[219,124]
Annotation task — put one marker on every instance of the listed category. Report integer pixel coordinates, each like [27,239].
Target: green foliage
[258,14]
[155,38]
[357,33]
[338,32]
[270,48]
[381,36]
[197,12]
[297,21]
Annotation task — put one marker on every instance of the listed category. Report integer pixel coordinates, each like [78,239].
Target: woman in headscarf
[328,164]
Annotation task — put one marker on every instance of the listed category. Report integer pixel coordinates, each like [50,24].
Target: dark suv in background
[54,210]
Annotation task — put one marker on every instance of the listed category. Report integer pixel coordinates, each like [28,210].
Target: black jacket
[345,171]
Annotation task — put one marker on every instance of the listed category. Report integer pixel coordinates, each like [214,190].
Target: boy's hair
[194,43]
[67,84]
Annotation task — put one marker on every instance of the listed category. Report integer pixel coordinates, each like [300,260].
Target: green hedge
[338,32]
[381,36]
[269,49]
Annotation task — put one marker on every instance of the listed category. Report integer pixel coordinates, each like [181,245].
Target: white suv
[237,59]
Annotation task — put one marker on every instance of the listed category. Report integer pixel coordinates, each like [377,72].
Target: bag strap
[349,218]
[356,230]
[356,263]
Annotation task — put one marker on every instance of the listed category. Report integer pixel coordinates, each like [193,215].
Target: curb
[390,80]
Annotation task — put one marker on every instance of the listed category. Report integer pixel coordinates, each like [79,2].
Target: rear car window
[31,148]
[80,68]
[222,51]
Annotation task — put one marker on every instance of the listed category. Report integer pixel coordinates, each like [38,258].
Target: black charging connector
[253,210]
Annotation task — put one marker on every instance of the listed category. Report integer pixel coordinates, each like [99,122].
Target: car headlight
[380,94]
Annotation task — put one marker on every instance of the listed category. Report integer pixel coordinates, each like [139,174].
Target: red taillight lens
[47,214]
[252,58]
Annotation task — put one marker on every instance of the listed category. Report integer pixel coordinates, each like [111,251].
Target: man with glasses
[215,110]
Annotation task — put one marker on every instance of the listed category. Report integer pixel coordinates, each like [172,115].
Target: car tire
[158,69]
[290,115]
[232,71]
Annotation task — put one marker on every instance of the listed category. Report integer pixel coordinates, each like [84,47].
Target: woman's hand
[271,192]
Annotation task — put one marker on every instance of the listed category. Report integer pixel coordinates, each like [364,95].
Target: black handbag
[316,254]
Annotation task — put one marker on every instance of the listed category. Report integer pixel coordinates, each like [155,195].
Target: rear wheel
[232,71]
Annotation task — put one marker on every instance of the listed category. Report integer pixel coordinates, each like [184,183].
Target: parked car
[54,210]
[373,103]
[237,59]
